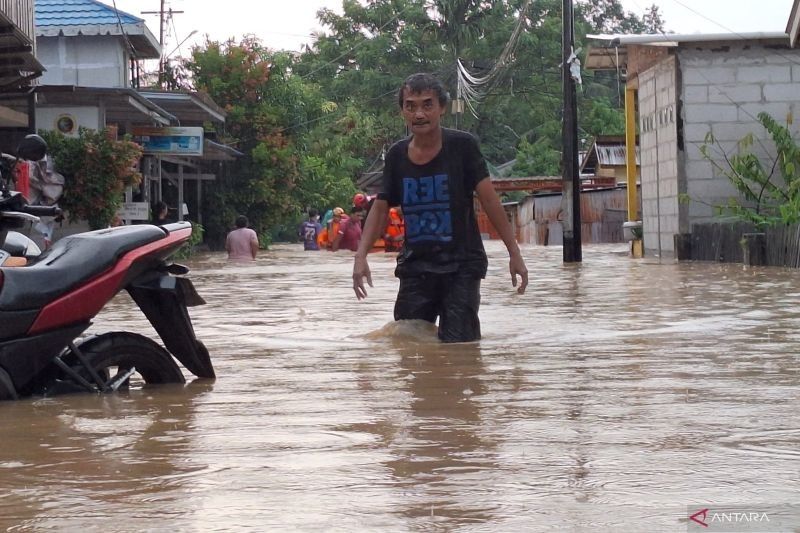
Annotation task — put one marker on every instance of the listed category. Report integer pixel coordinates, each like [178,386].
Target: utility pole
[164,13]
[570,180]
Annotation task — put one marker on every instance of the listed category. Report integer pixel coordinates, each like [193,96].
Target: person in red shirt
[349,234]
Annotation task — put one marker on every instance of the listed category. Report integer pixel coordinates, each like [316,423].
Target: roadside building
[94,56]
[19,68]
[686,87]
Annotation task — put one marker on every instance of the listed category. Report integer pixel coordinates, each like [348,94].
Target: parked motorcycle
[47,304]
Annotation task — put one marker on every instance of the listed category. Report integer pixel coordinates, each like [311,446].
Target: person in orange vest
[331,229]
[395,231]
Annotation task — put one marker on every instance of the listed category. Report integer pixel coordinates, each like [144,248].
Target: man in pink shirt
[242,243]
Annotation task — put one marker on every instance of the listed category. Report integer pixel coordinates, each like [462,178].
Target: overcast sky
[287,24]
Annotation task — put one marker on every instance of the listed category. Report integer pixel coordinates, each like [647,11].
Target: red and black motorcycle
[47,305]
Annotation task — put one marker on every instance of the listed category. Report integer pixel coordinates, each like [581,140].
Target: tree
[268,110]
[653,23]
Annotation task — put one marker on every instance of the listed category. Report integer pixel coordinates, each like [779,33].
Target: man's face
[422,111]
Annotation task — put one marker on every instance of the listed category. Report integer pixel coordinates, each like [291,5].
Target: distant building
[606,158]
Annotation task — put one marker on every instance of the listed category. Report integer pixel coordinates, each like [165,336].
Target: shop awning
[190,108]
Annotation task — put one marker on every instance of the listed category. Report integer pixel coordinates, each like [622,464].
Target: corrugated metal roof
[606,151]
[79,13]
[614,155]
[75,18]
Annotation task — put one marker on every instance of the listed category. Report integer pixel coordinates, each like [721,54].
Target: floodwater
[613,396]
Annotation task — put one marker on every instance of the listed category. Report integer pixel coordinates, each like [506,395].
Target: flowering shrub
[96,170]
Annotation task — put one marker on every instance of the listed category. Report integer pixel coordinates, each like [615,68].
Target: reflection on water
[609,397]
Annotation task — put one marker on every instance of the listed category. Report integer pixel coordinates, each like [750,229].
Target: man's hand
[361,271]
[516,266]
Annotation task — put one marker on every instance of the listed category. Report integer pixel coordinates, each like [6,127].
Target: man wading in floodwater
[432,175]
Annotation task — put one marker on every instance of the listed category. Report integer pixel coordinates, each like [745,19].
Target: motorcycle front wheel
[127,361]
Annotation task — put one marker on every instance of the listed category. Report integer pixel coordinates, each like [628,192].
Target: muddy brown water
[610,397]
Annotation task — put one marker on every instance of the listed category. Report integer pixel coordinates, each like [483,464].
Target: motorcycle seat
[71,261]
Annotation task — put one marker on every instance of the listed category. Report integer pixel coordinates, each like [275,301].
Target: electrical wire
[122,29]
[472,89]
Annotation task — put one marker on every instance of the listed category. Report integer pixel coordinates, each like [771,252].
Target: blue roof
[79,13]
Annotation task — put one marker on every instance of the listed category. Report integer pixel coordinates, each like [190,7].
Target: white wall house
[89,44]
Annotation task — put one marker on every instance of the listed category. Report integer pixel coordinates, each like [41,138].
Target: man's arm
[497,216]
[376,221]
[254,245]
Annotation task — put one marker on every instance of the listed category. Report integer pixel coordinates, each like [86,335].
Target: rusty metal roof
[607,151]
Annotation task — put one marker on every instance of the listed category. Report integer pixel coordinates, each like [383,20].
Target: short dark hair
[312,213]
[357,209]
[422,81]
[241,221]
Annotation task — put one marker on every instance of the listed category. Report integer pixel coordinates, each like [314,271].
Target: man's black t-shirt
[442,234]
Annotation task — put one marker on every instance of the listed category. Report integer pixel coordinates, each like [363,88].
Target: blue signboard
[170,140]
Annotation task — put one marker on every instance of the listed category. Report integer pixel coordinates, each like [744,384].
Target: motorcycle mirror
[32,148]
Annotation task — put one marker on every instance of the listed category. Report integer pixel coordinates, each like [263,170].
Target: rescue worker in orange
[395,231]
[329,233]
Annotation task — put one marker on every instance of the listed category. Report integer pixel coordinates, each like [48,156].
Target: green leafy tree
[267,108]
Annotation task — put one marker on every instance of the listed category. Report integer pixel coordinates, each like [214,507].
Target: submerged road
[616,395]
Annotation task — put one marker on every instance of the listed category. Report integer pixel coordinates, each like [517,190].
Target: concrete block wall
[723,89]
[658,144]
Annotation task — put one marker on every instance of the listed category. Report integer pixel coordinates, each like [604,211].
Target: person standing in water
[309,230]
[432,175]
[242,243]
[349,234]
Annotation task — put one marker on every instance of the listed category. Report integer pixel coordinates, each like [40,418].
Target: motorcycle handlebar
[42,210]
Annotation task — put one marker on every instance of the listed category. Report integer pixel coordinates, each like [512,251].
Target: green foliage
[196,239]
[537,159]
[765,199]
[601,118]
[310,124]
[301,148]
[96,170]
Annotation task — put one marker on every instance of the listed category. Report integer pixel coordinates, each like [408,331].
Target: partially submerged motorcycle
[48,302]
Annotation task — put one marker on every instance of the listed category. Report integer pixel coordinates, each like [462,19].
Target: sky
[283,24]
